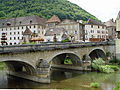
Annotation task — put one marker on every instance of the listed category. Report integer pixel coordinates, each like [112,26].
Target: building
[111,27]
[14,27]
[55,34]
[118,36]
[95,31]
[53,21]
[74,29]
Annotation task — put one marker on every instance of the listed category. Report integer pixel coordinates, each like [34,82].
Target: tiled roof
[27,31]
[19,21]
[52,31]
[110,23]
[54,18]
[94,22]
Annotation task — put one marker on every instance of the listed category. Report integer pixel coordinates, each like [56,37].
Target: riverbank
[3,66]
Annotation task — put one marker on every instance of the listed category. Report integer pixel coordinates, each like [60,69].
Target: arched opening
[20,67]
[97,53]
[69,59]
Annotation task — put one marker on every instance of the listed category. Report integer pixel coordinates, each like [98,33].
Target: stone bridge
[34,62]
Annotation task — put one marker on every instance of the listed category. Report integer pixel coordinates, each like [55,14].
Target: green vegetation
[114,60]
[94,85]
[117,87]
[2,66]
[99,64]
[67,61]
[43,8]
[66,40]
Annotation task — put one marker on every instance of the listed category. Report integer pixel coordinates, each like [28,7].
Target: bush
[67,61]
[97,62]
[94,85]
[115,68]
[66,40]
[117,87]
[114,60]
[106,69]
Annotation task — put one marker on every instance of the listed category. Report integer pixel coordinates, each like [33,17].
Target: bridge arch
[97,53]
[59,58]
[18,65]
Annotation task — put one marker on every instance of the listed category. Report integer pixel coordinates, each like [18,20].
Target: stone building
[53,21]
[118,36]
[95,31]
[14,27]
[111,27]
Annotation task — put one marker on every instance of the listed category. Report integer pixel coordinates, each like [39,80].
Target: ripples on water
[64,79]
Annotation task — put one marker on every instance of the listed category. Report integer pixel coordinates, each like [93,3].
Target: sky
[102,9]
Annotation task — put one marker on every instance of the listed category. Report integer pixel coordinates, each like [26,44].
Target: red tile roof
[54,18]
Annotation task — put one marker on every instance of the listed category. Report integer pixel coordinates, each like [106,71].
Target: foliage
[94,85]
[99,64]
[107,54]
[43,8]
[106,69]
[114,60]
[117,87]
[67,61]
[2,66]
[66,40]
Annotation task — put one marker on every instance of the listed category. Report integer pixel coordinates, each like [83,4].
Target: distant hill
[43,8]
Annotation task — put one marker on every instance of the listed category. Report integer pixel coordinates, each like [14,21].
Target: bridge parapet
[49,46]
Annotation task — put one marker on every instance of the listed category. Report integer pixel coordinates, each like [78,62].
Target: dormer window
[8,24]
[20,22]
[30,21]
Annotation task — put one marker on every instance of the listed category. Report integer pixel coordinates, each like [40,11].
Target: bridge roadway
[34,62]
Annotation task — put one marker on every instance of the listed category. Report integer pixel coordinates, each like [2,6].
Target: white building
[14,27]
[52,33]
[95,31]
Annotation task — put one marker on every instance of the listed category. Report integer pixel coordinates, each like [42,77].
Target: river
[63,79]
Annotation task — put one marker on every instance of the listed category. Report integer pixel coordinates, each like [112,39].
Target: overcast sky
[102,9]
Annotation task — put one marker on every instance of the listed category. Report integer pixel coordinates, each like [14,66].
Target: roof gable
[27,31]
[53,19]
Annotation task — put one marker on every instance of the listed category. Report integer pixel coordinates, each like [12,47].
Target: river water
[64,79]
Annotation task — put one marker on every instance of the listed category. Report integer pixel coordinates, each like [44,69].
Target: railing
[49,46]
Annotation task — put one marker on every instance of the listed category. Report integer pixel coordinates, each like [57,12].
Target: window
[10,33]
[30,26]
[22,27]
[98,26]
[18,27]
[91,26]
[18,33]
[14,28]
[14,33]
[10,43]
[2,23]
[10,28]
[10,38]
[75,32]
[6,29]
[2,29]
[14,38]
[102,27]
[18,38]
[34,26]
[30,21]
[14,43]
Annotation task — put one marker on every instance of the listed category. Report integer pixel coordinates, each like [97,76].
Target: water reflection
[64,79]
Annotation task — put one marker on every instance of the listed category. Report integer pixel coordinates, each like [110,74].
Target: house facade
[111,27]
[95,31]
[55,34]
[118,36]
[14,28]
